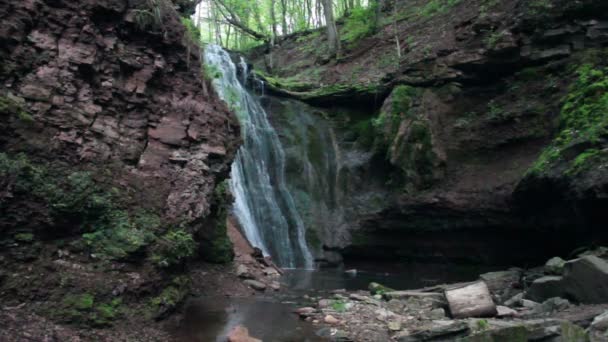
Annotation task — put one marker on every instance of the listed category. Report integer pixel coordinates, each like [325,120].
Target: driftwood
[473,300]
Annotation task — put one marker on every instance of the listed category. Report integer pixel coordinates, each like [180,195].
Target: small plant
[359,24]
[174,247]
[492,39]
[434,7]
[482,325]
[338,305]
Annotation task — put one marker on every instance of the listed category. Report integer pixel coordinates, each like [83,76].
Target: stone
[515,300]
[586,280]
[254,284]
[358,297]
[503,311]
[438,331]
[329,319]
[324,303]
[556,52]
[552,304]
[499,281]
[529,304]
[394,326]
[544,288]
[271,272]
[305,311]
[600,322]
[243,272]
[473,300]
[241,334]
[436,314]
[555,266]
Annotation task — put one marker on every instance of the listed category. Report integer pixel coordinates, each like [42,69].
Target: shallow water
[211,319]
[271,318]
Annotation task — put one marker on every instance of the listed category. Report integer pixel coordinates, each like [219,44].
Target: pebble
[329,319]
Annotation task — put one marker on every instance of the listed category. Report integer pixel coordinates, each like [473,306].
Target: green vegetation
[434,7]
[15,106]
[216,246]
[174,248]
[150,17]
[192,32]
[338,305]
[84,309]
[359,24]
[75,201]
[583,119]
[482,325]
[169,298]
[401,108]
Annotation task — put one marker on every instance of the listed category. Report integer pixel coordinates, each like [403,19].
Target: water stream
[263,204]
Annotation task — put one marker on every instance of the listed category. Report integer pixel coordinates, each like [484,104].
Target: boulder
[241,334]
[473,300]
[586,280]
[503,280]
[545,287]
[254,284]
[503,311]
[555,266]
[243,272]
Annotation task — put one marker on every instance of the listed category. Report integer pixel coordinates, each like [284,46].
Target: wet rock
[545,287]
[271,272]
[358,297]
[241,334]
[439,330]
[600,322]
[243,272]
[472,300]
[329,319]
[586,279]
[503,311]
[555,266]
[254,284]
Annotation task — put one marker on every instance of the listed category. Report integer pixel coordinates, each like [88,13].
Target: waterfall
[263,205]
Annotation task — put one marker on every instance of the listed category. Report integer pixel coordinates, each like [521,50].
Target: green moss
[15,106]
[76,201]
[312,238]
[174,248]
[215,246]
[359,24]
[24,237]
[583,119]
[84,310]
[170,297]
[338,305]
[192,31]
[81,302]
[434,7]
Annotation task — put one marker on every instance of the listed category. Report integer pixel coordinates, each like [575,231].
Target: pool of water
[271,318]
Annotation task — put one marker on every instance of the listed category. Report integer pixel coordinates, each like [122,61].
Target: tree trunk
[473,300]
[333,39]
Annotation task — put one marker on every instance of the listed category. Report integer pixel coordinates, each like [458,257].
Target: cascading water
[263,205]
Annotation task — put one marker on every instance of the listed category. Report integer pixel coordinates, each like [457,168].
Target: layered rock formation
[467,115]
[113,149]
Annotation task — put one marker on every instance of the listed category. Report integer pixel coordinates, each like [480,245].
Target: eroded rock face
[104,90]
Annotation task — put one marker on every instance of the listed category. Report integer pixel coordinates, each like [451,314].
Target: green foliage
[211,71]
[192,32]
[492,39]
[83,309]
[359,24]
[365,133]
[11,105]
[434,7]
[536,7]
[583,118]
[338,305]
[170,297]
[174,248]
[76,201]
[482,325]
